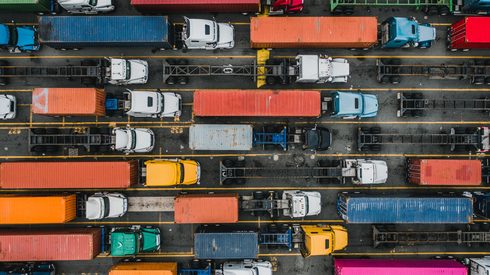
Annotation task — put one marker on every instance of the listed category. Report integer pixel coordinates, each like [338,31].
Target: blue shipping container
[112,31]
[377,209]
[226,245]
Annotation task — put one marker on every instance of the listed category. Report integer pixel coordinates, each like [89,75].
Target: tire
[87,81]
[459,130]
[338,11]
[229,163]
[479,80]
[104,131]
[183,61]
[183,80]
[171,80]
[270,80]
[487,80]
[51,149]
[417,113]
[375,130]
[335,163]
[3,81]
[52,131]
[385,79]
[418,95]
[432,10]
[375,147]
[324,163]
[38,131]
[444,10]
[395,79]
[258,195]
[349,10]
[38,149]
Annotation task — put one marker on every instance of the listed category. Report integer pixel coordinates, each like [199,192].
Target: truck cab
[478,266]
[105,205]
[172,172]
[87,6]
[133,240]
[203,34]
[353,105]
[153,104]
[245,267]
[8,106]
[366,171]
[322,240]
[321,69]
[302,203]
[133,140]
[402,32]
[127,71]
[285,6]
[317,138]
[17,39]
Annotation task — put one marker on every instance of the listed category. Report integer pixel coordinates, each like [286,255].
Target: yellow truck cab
[322,240]
[171,172]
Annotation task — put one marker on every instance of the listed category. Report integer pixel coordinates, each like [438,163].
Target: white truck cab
[302,203]
[105,205]
[206,34]
[245,267]
[321,69]
[127,71]
[8,106]
[152,104]
[87,6]
[133,140]
[478,266]
[366,171]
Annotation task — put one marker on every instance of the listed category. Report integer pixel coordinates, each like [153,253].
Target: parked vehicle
[8,106]
[87,6]
[75,32]
[54,6]
[153,104]
[170,172]
[130,241]
[104,205]
[19,38]
[478,266]
[398,266]
[469,33]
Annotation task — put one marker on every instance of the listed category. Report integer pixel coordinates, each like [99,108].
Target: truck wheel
[479,80]
[418,95]
[258,195]
[349,10]
[385,79]
[38,131]
[3,81]
[196,264]
[395,61]
[324,163]
[87,81]
[183,80]
[52,131]
[51,149]
[487,80]
[38,149]
[375,147]
[395,79]
[432,10]
[444,10]
[229,163]
[171,80]
[183,61]
[338,11]
[417,113]
[270,80]
[375,130]
[335,163]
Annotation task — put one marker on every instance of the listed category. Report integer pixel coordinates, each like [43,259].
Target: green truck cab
[129,241]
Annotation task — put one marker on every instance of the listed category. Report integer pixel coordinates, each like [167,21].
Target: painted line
[66,124]
[156,255]
[172,222]
[393,88]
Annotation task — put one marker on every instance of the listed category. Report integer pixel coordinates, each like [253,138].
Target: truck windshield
[107,206]
[216,27]
[181,166]
[13,35]
[92,3]
[133,139]
[128,69]
[307,205]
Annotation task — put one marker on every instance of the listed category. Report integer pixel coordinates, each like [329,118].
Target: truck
[398,266]
[469,33]
[243,137]
[478,266]
[458,139]
[356,171]
[96,102]
[42,7]
[477,72]
[81,140]
[418,104]
[230,243]
[283,103]
[324,32]
[74,32]
[130,241]
[97,72]
[61,208]
[382,209]
[19,38]
[8,106]
[271,7]
[310,69]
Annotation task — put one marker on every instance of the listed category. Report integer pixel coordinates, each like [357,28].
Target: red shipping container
[262,103]
[21,245]
[444,172]
[398,267]
[68,101]
[206,208]
[68,174]
[197,6]
[313,32]
[470,33]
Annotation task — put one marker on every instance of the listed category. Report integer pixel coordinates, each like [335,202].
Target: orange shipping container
[313,32]
[68,174]
[37,209]
[68,101]
[206,208]
[444,172]
[144,268]
[269,103]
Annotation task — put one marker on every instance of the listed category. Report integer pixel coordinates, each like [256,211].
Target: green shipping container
[26,5]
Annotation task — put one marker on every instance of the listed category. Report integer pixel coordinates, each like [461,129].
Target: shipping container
[221,137]
[68,174]
[313,32]
[206,208]
[68,101]
[444,172]
[68,244]
[226,245]
[15,209]
[40,6]
[358,208]
[197,6]
[470,33]
[144,268]
[399,267]
[105,31]
[263,103]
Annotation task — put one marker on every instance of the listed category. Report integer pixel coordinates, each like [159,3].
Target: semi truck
[469,33]
[458,139]
[8,106]
[19,38]
[42,7]
[356,171]
[243,137]
[96,102]
[211,243]
[113,71]
[311,69]
[75,32]
[283,103]
[324,32]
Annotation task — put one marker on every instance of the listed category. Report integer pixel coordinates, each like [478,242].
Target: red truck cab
[287,6]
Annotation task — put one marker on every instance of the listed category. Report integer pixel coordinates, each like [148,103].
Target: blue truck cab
[19,38]
[403,32]
[349,105]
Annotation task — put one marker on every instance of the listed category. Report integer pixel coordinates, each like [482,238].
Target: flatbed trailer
[391,71]
[415,104]
[386,236]
[472,138]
